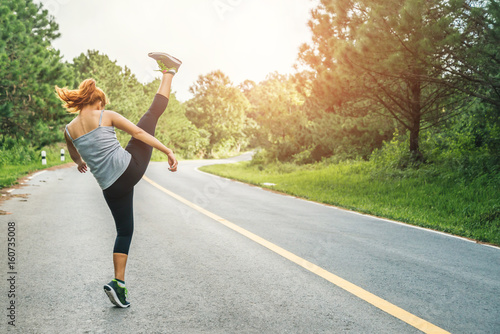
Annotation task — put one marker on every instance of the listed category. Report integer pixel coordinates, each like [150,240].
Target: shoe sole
[113,297]
[161,56]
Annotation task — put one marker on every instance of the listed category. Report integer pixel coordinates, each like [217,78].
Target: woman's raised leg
[140,151]
[165,84]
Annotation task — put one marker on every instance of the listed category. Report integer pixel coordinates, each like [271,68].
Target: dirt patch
[66,165]
[6,193]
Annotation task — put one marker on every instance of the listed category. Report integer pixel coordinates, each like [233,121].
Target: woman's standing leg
[119,196]
[122,209]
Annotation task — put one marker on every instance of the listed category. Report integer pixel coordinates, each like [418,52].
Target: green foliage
[412,61]
[471,33]
[275,107]
[262,157]
[16,152]
[467,147]
[393,155]
[29,69]
[381,66]
[291,130]
[219,108]
[346,137]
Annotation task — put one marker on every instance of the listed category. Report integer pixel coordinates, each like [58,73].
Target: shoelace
[163,68]
[124,288]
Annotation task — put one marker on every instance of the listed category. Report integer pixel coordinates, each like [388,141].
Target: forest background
[394,111]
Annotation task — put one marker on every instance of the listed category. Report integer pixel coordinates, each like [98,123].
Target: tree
[219,108]
[29,69]
[390,58]
[275,106]
[470,48]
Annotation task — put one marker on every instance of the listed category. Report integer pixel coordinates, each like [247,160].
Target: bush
[262,157]
[447,153]
[17,152]
[304,157]
[394,155]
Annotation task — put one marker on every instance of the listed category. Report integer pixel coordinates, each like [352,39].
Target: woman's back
[98,146]
[86,122]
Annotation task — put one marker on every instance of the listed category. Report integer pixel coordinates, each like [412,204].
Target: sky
[245,39]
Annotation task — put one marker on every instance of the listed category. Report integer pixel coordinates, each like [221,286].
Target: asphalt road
[188,273]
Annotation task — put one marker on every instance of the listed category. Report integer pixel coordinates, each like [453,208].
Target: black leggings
[120,194]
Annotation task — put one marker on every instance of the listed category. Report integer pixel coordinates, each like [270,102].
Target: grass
[11,172]
[448,203]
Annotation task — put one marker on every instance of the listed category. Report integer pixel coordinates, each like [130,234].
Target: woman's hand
[172,161]
[82,166]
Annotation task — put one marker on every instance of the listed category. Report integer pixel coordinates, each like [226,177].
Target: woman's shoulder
[107,117]
[110,112]
[73,122]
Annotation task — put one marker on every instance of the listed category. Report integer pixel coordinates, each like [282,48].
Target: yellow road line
[368,297]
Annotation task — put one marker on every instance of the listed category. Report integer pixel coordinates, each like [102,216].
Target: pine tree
[29,69]
[395,58]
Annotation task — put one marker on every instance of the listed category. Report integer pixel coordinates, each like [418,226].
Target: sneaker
[166,62]
[117,295]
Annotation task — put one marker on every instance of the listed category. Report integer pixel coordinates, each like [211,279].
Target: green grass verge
[10,173]
[468,208]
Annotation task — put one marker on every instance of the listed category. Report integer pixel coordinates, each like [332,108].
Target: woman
[92,142]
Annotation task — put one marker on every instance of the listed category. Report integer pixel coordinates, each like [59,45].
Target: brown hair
[87,93]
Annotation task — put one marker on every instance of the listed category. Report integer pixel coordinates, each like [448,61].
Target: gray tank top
[103,153]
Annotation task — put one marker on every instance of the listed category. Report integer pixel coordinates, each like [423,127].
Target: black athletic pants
[120,194]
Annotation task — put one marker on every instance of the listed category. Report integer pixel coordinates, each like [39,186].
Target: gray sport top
[103,153]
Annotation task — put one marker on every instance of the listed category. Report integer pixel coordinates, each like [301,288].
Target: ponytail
[87,93]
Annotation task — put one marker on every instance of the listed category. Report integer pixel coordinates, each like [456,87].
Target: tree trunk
[414,134]
[416,118]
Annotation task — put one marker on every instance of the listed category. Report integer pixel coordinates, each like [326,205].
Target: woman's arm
[75,156]
[124,124]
